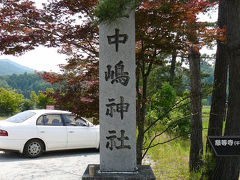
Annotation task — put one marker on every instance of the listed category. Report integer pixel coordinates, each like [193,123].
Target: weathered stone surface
[118,92]
[144,173]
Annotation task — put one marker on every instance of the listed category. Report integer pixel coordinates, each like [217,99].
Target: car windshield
[21,117]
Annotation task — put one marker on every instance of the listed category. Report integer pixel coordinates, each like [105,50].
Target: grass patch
[205,113]
[205,120]
[2,118]
[171,159]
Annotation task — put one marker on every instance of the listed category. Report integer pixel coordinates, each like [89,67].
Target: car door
[80,134]
[51,130]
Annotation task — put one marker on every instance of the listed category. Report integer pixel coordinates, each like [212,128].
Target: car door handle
[42,131]
[71,131]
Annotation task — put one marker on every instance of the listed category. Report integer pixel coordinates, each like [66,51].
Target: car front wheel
[33,148]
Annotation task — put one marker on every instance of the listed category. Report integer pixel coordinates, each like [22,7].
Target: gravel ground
[60,165]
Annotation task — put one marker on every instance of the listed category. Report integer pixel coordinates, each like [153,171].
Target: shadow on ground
[14,156]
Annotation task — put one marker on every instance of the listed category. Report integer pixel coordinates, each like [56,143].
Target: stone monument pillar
[117,105]
[117,96]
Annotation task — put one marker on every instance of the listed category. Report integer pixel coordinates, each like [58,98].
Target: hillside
[8,67]
[24,83]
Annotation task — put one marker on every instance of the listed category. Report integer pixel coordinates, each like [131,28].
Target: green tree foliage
[160,74]
[182,115]
[161,102]
[164,99]
[44,99]
[24,83]
[207,78]
[160,90]
[108,11]
[10,102]
[3,83]
[34,98]
[207,72]
[27,105]
[163,107]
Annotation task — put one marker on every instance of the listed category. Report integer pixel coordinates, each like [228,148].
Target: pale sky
[40,59]
[47,59]
[210,17]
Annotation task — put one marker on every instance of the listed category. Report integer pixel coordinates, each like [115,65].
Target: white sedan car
[35,131]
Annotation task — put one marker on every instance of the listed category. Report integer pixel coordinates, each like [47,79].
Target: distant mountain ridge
[8,67]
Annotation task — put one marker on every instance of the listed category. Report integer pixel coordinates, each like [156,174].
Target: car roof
[46,111]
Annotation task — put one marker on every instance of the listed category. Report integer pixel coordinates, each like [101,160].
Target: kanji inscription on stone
[117,39]
[117,96]
[120,107]
[118,75]
[113,141]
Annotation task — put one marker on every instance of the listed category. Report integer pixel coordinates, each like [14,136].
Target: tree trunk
[228,168]
[173,65]
[218,107]
[138,108]
[141,122]
[196,148]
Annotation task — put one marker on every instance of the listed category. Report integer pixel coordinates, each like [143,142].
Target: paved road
[61,165]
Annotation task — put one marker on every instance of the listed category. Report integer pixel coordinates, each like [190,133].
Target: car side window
[50,120]
[71,120]
[81,122]
[40,121]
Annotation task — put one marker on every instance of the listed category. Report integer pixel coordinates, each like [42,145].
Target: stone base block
[144,173]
